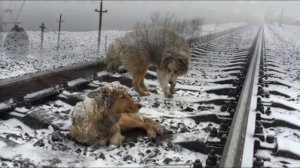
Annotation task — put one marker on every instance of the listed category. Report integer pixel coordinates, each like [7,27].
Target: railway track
[219,117]
[20,86]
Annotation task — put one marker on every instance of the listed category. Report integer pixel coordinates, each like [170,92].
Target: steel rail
[19,86]
[249,148]
[233,151]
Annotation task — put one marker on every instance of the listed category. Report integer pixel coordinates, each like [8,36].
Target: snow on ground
[286,44]
[283,70]
[214,28]
[21,145]
[47,147]
[75,47]
[44,146]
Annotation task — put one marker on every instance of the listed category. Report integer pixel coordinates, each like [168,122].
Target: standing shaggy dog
[106,111]
[164,49]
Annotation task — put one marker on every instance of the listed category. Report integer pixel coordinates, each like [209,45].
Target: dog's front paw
[151,133]
[117,140]
[168,95]
[172,89]
[155,130]
[159,129]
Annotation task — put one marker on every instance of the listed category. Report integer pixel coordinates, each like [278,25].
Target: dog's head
[176,63]
[114,97]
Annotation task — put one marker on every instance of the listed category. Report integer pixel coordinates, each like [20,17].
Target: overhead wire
[19,11]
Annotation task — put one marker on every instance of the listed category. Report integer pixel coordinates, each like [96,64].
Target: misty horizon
[123,15]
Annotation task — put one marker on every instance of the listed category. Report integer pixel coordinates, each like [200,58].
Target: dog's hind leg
[142,84]
[147,89]
[137,78]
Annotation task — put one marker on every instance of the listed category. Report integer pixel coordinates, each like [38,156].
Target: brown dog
[164,49]
[106,111]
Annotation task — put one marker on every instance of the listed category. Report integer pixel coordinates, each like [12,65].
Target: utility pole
[42,34]
[59,25]
[1,20]
[100,22]
[1,29]
[281,17]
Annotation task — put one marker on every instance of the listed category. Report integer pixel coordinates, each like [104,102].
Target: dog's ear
[97,92]
[165,61]
[93,93]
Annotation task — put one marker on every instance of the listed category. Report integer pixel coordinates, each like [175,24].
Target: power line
[59,27]
[42,34]
[100,22]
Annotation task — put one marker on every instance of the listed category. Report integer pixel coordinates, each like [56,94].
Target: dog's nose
[170,82]
[139,105]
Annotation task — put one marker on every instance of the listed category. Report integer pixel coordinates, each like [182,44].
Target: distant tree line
[187,28]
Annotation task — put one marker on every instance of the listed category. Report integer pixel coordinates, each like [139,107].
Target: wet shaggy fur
[106,111]
[163,49]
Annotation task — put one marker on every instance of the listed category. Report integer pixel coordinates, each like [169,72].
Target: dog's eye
[175,72]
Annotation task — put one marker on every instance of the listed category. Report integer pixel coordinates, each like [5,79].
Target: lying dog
[106,111]
[138,50]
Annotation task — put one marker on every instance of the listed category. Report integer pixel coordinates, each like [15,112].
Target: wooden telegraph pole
[42,34]
[1,29]
[100,22]
[59,26]
[1,20]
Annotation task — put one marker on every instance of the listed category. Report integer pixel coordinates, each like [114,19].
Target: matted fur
[97,119]
[164,49]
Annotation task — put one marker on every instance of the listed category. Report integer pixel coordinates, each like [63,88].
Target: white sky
[80,15]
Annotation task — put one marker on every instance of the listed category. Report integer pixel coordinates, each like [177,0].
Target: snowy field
[75,48]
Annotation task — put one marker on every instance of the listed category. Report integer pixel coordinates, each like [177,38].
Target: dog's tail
[112,60]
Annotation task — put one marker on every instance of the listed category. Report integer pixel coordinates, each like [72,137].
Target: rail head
[234,146]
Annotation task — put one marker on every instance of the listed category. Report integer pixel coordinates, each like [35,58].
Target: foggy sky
[122,15]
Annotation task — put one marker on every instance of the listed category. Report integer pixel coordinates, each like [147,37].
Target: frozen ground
[283,71]
[214,28]
[75,47]
[198,95]
[189,117]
